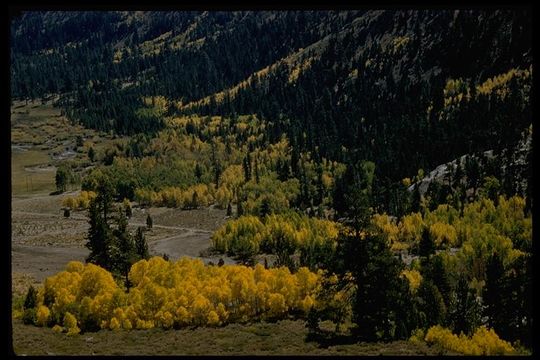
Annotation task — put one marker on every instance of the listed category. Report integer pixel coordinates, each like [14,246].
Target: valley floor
[44,241]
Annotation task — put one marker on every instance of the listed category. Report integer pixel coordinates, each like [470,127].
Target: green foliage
[62,178]
[286,158]
[333,302]
[30,298]
[431,304]
[378,305]
[100,235]
[507,297]
[482,229]
[141,247]
[112,248]
[465,309]
[280,234]
[354,194]
[494,292]
[426,246]
[190,198]
[491,188]
[91,154]
[29,316]
[149,221]
[269,195]
[236,235]
[436,271]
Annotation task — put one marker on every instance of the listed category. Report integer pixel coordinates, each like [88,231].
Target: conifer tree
[465,309]
[494,293]
[124,255]
[195,200]
[31,298]
[436,273]
[100,237]
[127,208]
[431,304]
[149,221]
[141,246]
[426,247]
[198,172]
[91,154]
[378,302]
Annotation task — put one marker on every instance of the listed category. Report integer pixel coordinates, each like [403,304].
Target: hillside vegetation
[375,167]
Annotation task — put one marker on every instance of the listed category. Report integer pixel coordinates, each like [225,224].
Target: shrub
[173,294]
[483,342]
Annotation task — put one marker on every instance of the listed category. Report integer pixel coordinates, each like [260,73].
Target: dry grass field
[286,337]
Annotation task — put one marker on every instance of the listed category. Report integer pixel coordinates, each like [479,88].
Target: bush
[173,295]
[30,299]
[43,315]
[29,316]
[280,234]
[483,342]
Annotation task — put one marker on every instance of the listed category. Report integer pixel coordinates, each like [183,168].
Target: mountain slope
[406,89]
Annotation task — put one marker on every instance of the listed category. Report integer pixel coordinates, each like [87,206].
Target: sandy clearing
[44,241]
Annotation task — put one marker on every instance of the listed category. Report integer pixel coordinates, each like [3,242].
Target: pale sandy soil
[44,241]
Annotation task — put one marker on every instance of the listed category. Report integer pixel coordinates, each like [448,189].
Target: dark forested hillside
[398,87]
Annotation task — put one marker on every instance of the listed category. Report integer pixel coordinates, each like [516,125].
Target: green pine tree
[141,246]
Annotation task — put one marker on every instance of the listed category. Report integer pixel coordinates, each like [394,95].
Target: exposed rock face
[518,160]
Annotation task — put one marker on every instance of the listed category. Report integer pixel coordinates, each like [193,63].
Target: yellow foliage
[229,182]
[164,319]
[307,304]
[70,202]
[417,336]
[414,277]
[182,293]
[142,324]
[75,266]
[70,323]
[276,304]
[69,320]
[398,43]
[57,329]
[298,231]
[42,315]
[498,85]
[387,227]
[175,197]
[443,234]
[80,202]
[410,228]
[114,324]
[213,318]
[483,342]
[490,343]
